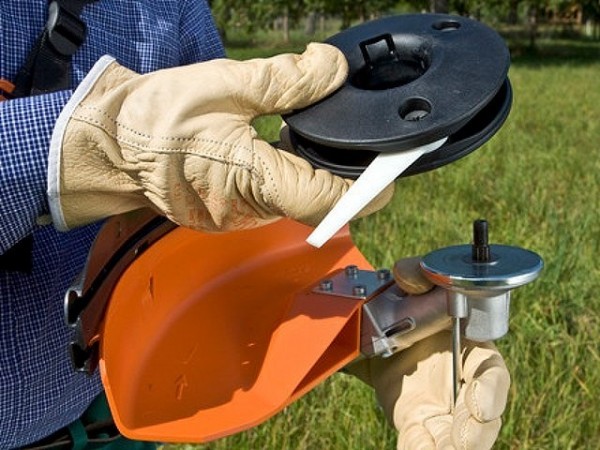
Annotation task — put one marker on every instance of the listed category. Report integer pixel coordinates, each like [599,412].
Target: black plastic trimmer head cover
[413,79]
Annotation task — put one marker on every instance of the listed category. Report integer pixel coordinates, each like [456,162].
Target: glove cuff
[84,185]
[58,135]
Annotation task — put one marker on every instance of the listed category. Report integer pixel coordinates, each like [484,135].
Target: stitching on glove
[463,435]
[83,117]
[464,431]
[213,156]
[273,202]
[474,388]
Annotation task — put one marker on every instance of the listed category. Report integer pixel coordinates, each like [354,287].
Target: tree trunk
[286,27]
[513,12]
[346,20]
[438,6]
[310,26]
[532,25]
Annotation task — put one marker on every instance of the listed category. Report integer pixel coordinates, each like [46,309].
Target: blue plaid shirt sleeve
[26,125]
[39,391]
[194,46]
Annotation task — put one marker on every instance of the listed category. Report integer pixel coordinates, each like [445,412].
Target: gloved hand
[180,141]
[415,389]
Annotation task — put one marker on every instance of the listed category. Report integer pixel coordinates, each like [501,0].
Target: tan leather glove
[180,141]
[414,387]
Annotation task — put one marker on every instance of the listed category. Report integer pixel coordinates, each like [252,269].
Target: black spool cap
[413,79]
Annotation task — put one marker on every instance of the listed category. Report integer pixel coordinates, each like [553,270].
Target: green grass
[538,184]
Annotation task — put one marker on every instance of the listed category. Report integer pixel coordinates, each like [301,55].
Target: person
[164,122]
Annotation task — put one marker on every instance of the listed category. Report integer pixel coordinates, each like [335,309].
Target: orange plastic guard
[207,335]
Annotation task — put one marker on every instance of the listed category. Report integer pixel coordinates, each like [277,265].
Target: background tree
[249,16]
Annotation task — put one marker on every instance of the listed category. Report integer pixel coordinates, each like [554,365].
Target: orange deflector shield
[207,335]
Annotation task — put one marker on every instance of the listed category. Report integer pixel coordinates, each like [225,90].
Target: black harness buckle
[66,31]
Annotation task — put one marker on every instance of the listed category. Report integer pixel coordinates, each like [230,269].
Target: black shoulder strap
[48,66]
[47,69]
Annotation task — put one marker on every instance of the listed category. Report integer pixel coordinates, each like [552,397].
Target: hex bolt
[383,274]
[360,290]
[351,271]
[326,285]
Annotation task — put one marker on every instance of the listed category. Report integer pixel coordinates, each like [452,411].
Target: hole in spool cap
[390,63]
[415,109]
[446,25]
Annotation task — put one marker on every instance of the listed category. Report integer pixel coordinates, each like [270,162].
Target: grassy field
[538,184]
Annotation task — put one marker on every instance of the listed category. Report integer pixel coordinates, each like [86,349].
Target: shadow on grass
[549,50]
[554,52]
